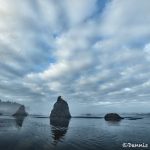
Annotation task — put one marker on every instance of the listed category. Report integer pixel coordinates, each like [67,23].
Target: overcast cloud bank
[96,54]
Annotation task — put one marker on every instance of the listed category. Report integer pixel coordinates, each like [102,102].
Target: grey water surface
[38,133]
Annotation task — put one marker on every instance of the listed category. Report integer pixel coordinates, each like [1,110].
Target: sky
[94,53]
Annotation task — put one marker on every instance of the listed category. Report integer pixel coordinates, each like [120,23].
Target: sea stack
[20,112]
[60,110]
[112,117]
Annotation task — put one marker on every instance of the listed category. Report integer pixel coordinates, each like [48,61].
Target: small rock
[112,117]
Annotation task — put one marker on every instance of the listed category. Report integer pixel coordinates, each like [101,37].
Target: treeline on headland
[12,108]
[9,102]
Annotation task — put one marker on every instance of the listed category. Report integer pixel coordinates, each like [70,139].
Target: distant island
[12,108]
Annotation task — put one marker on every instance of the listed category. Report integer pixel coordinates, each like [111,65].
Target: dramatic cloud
[95,54]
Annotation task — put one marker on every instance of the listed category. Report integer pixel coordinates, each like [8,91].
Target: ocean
[38,133]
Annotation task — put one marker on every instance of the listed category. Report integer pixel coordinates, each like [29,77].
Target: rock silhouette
[20,112]
[60,110]
[59,119]
[112,117]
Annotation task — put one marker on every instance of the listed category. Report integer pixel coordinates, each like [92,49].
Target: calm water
[79,134]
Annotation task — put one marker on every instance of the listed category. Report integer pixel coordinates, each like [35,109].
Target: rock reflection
[19,121]
[113,123]
[59,129]
[10,123]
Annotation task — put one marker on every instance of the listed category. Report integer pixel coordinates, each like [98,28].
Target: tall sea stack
[60,110]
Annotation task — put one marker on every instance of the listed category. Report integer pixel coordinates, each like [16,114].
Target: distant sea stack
[112,117]
[60,110]
[20,112]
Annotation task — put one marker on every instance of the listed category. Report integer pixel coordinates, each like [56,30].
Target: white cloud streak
[71,48]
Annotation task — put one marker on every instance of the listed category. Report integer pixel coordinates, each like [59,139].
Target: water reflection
[113,123]
[59,129]
[19,121]
[8,122]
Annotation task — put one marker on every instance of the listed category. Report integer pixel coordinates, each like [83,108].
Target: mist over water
[37,133]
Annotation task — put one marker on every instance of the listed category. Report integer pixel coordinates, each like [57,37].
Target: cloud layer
[96,54]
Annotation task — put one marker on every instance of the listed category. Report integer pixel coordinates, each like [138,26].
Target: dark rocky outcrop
[20,112]
[59,119]
[60,110]
[112,117]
